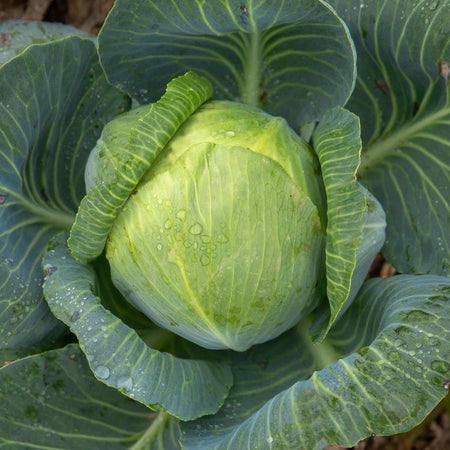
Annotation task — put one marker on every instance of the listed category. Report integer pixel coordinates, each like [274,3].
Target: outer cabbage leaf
[382,368]
[292,59]
[186,388]
[403,100]
[356,222]
[54,100]
[151,133]
[53,401]
[17,35]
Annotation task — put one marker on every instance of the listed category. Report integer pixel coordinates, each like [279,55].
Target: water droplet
[102,372]
[417,316]
[434,5]
[181,214]
[393,356]
[222,238]
[440,366]
[125,383]
[229,134]
[168,224]
[159,247]
[204,259]
[434,342]
[196,229]
[269,439]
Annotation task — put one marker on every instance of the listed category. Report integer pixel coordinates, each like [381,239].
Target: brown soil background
[88,15]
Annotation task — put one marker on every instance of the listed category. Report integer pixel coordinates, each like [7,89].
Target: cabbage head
[223,239]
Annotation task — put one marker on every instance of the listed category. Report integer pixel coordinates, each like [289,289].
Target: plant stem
[324,354]
[151,433]
[252,70]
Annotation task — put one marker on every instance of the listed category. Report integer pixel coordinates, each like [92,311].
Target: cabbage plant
[189,208]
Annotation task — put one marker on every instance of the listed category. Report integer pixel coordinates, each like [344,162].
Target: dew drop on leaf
[434,342]
[393,356]
[222,239]
[102,372]
[433,5]
[181,214]
[440,366]
[125,383]
[196,229]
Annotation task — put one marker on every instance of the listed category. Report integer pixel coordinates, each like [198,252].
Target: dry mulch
[88,15]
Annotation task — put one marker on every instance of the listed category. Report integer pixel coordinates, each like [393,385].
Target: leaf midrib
[381,149]
[51,216]
[250,89]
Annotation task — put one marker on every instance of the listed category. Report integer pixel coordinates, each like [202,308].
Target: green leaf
[293,59]
[151,133]
[185,388]
[355,229]
[54,100]
[114,301]
[53,401]
[403,99]
[383,367]
[17,35]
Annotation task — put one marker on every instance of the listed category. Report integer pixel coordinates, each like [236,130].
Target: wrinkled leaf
[54,100]
[355,228]
[403,99]
[151,133]
[186,388]
[382,368]
[53,401]
[293,59]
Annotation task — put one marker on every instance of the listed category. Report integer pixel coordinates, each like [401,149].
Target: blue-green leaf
[186,388]
[17,35]
[53,401]
[293,59]
[355,228]
[382,368]
[403,99]
[54,100]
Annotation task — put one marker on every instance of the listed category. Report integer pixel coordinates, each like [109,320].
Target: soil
[89,15]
